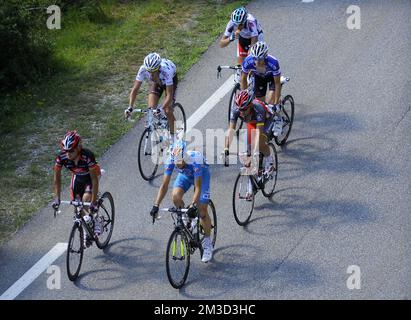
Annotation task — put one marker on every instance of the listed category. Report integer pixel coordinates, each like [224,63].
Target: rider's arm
[163,189]
[230,133]
[225,41]
[243,81]
[277,95]
[57,181]
[134,91]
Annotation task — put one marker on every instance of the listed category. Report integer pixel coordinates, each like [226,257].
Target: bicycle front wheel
[149,152]
[287,113]
[75,250]
[180,124]
[270,177]
[178,258]
[106,215]
[243,199]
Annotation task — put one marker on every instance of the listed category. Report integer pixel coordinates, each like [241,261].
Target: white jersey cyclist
[252,28]
[167,73]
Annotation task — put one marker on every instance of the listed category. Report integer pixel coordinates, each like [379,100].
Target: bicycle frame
[178,216]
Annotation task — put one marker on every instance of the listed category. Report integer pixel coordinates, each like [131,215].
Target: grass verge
[99,62]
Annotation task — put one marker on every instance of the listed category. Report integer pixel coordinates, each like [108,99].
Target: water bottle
[88,221]
[194,226]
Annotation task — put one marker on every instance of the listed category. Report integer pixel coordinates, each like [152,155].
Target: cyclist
[192,169]
[258,117]
[244,27]
[162,75]
[264,70]
[85,173]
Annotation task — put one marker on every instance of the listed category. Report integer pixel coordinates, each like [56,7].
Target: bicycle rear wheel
[75,250]
[178,258]
[106,214]
[180,124]
[287,113]
[270,178]
[213,216]
[243,199]
[149,153]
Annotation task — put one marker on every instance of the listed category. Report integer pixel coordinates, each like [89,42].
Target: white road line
[307,1]
[32,274]
[210,103]
[60,248]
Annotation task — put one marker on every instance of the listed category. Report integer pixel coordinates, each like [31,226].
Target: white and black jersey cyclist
[161,74]
[244,27]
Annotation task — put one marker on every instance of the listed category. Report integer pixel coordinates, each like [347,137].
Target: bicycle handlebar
[236,67]
[173,210]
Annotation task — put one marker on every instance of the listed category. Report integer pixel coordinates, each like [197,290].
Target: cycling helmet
[239,15]
[259,50]
[178,150]
[243,99]
[70,141]
[152,62]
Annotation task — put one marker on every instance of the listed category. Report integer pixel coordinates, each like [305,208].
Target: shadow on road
[238,267]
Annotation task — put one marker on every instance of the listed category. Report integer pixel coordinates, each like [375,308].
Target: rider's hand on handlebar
[192,211]
[154,212]
[225,156]
[232,37]
[56,204]
[93,208]
[127,112]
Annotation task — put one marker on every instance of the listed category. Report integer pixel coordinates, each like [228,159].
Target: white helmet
[239,15]
[152,62]
[259,50]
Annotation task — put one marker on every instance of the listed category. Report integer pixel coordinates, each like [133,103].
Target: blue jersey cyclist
[192,169]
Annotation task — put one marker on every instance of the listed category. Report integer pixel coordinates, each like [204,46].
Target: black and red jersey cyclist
[85,173]
[258,117]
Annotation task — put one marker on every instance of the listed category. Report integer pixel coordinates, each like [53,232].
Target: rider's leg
[177,197]
[203,202]
[169,110]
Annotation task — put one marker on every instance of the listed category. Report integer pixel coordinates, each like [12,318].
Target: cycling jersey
[251,28]
[272,66]
[80,180]
[86,162]
[195,166]
[167,73]
[259,116]
[195,163]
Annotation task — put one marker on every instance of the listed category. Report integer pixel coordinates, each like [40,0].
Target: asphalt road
[344,185]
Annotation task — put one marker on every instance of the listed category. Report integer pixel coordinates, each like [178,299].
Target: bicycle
[236,88]
[185,239]
[82,233]
[155,137]
[286,104]
[249,181]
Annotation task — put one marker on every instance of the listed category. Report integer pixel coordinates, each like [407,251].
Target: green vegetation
[90,64]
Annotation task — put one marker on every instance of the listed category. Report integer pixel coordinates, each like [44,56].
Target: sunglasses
[70,151]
